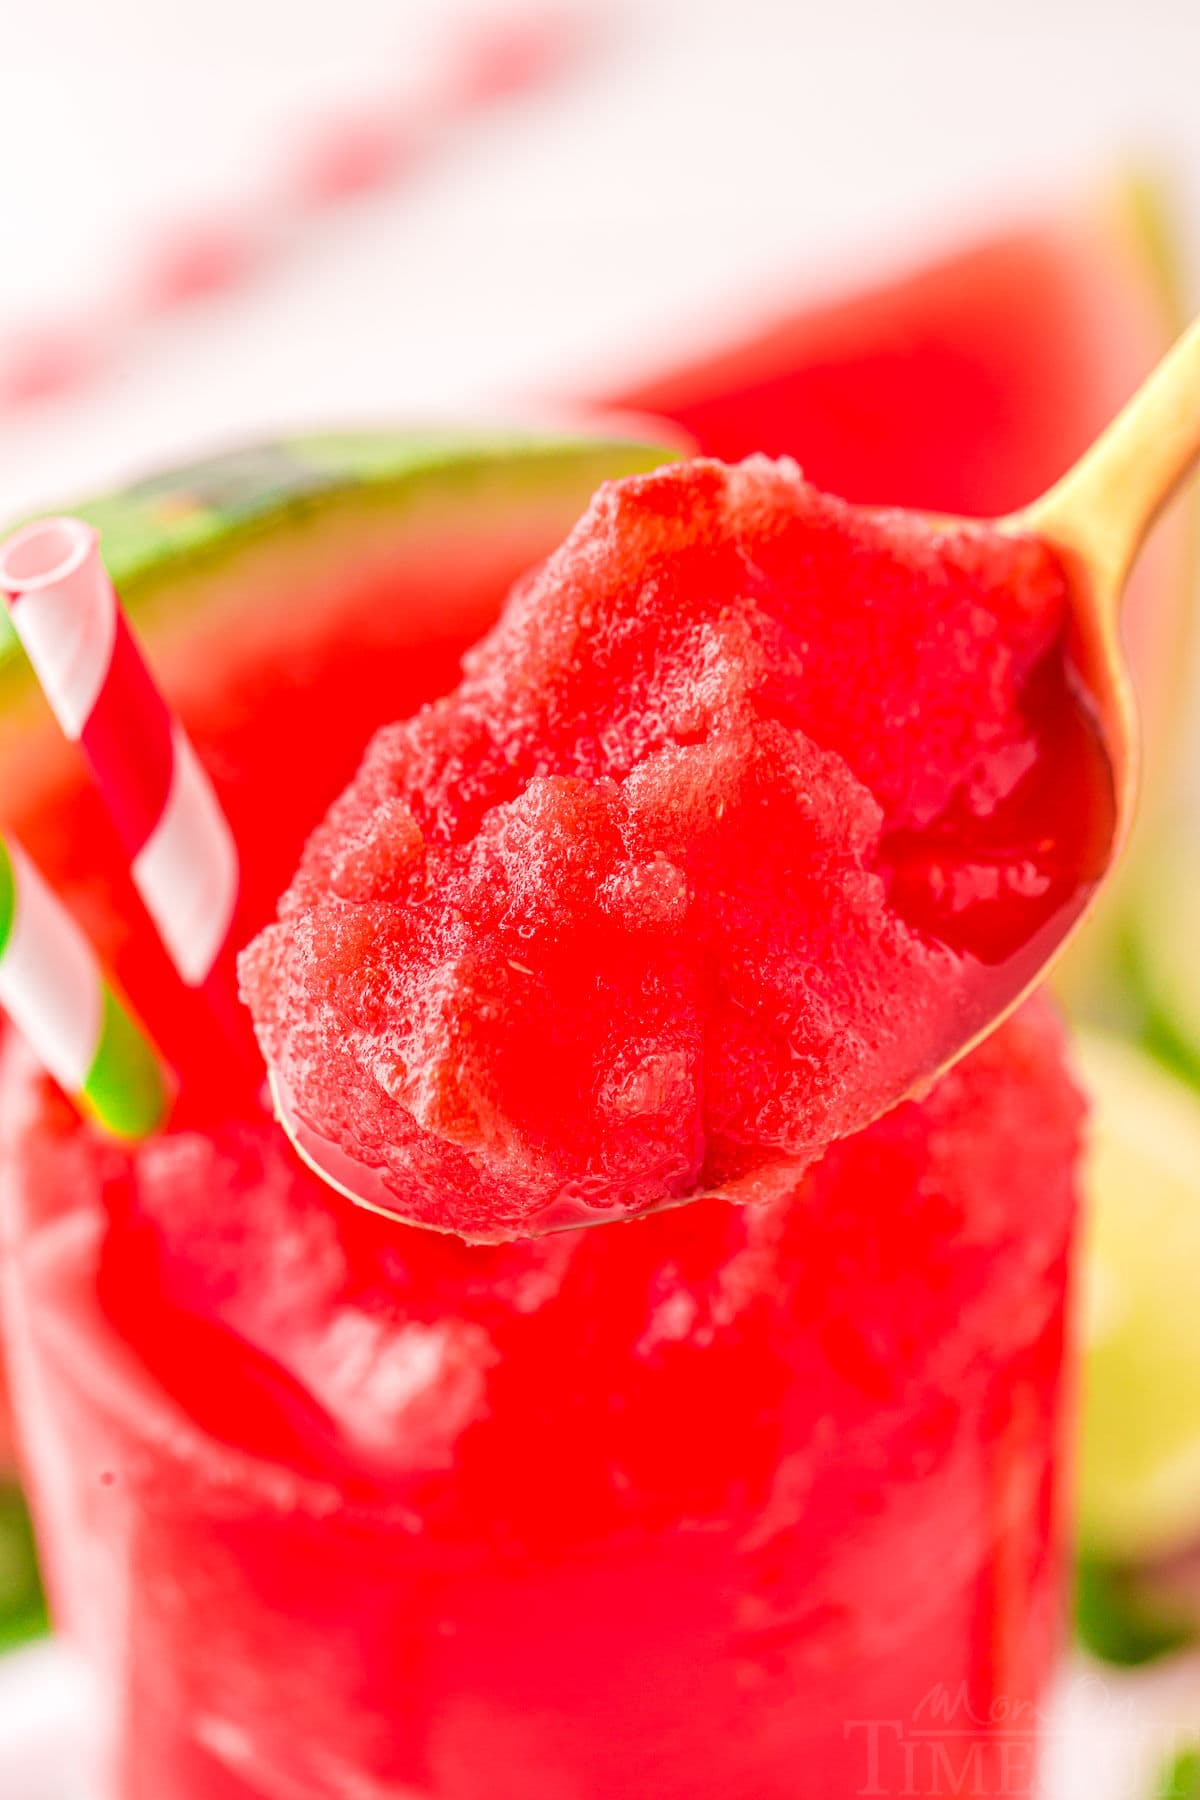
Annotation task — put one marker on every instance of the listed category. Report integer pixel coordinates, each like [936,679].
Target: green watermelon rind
[200,515]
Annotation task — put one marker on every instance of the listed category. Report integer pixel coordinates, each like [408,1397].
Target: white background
[707,152]
[706,158]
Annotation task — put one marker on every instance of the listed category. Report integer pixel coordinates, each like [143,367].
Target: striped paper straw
[181,850]
[55,992]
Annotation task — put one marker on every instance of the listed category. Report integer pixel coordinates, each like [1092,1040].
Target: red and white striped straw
[181,851]
[57,994]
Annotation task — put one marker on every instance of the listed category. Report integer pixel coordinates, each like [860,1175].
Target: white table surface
[706,155]
[1107,1738]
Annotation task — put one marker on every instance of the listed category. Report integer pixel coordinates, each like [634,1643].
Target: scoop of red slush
[743,805]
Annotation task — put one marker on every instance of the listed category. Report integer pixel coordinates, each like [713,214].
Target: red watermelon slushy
[729,1501]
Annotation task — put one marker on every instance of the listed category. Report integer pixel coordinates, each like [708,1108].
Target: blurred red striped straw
[181,851]
[359,150]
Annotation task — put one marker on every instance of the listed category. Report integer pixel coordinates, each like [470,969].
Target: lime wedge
[1140,1444]
[1180,1780]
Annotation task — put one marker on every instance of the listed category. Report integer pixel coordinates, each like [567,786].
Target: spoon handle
[1104,506]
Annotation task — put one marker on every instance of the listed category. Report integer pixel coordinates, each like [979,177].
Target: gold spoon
[1095,520]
